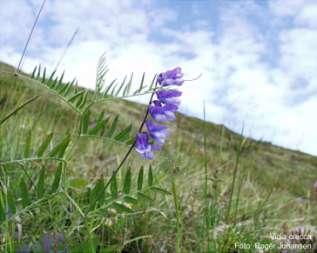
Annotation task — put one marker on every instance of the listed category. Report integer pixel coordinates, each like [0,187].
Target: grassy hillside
[212,188]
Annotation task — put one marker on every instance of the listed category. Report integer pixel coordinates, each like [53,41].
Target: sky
[257,58]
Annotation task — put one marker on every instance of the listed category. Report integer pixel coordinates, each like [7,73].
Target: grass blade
[114,187]
[113,126]
[24,193]
[43,147]
[150,176]
[140,178]
[60,149]
[27,146]
[17,109]
[57,178]
[124,134]
[40,184]
[127,182]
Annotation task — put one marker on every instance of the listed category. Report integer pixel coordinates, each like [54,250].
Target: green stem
[179,233]
[205,182]
[235,172]
[17,109]
[115,172]
[30,35]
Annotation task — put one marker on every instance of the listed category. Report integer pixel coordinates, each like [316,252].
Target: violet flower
[169,96]
[161,113]
[142,145]
[159,133]
[171,77]
[161,110]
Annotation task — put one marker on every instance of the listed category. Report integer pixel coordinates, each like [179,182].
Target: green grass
[207,190]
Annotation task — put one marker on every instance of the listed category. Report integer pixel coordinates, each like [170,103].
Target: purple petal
[173,73]
[166,106]
[152,127]
[175,101]
[157,103]
[171,77]
[148,155]
[143,147]
[161,114]
[170,115]
[142,143]
[170,81]
[158,132]
[169,96]
[171,107]
[168,93]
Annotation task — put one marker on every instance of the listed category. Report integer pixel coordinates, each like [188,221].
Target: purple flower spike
[169,96]
[171,77]
[161,114]
[143,146]
[161,109]
[158,132]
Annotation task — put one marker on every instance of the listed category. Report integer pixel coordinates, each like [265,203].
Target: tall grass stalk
[234,179]
[231,223]
[238,195]
[17,109]
[30,34]
[205,188]
[70,42]
[179,226]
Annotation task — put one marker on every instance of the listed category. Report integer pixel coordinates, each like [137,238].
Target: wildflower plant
[160,110]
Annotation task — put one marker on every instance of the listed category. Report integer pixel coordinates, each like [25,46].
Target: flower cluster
[162,109]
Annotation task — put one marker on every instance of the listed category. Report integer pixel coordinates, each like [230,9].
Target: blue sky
[257,58]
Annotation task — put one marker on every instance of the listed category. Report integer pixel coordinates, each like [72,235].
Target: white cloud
[286,7]
[261,95]
[307,16]
[14,22]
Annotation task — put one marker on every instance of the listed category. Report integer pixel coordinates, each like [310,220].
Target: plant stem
[18,109]
[31,33]
[70,42]
[234,177]
[206,198]
[115,172]
[179,232]
[235,172]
